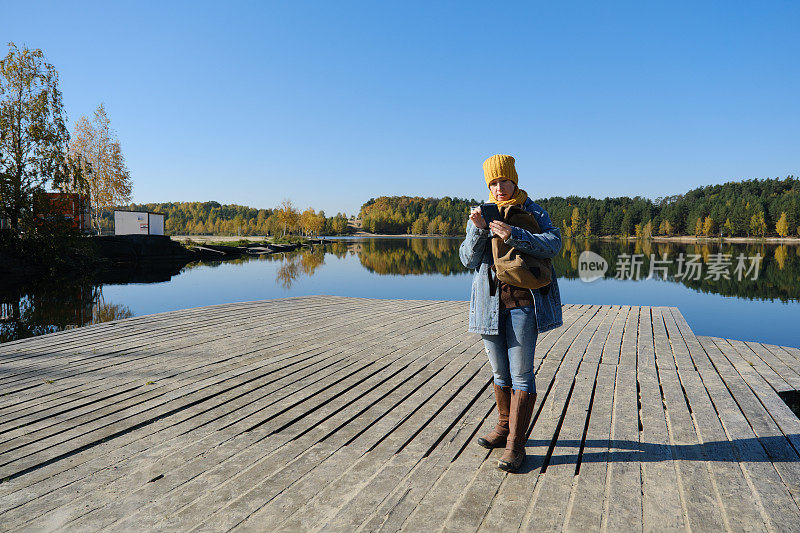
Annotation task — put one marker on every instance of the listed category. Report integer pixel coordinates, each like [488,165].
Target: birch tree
[109,181]
[287,215]
[33,134]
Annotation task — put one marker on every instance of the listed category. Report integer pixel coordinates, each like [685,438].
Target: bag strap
[492,281]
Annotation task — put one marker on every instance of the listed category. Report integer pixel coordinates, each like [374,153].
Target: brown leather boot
[518,420]
[497,438]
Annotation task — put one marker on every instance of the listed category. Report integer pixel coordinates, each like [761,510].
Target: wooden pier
[344,414]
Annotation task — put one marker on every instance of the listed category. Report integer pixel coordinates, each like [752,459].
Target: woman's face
[502,189]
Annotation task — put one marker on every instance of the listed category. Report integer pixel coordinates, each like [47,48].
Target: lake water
[765,309]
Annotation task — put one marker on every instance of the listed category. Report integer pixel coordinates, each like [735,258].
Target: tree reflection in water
[50,306]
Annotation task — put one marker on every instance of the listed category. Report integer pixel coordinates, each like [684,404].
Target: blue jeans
[511,352]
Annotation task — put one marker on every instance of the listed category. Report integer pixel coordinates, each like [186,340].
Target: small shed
[138,223]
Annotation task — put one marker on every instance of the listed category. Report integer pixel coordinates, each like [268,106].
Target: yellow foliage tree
[576,222]
[288,217]
[728,226]
[434,225]
[708,226]
[647,230]
[782,226]
[698,227]
[33,135]
[108,181]
[339,223]
[420,225]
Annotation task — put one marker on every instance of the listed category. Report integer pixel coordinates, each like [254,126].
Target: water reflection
[775,276]
[46,308]
[49,306]
[410,256]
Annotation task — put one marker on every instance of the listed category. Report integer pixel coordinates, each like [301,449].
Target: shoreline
[659,238]
[693,239]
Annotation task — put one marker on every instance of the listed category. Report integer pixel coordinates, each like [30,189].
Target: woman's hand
[477,219]
[500,228]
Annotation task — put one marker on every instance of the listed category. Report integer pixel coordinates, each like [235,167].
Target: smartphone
[490,212]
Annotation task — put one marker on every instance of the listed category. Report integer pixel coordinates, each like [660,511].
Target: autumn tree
[708,226]
[782,226]
[109,182]
[288,217]
[311,222]
[420,225]
[575,222]
[647,230]
[33,134]
[339,223]
[728,226]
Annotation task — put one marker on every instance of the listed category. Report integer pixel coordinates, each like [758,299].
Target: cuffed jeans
[511,351]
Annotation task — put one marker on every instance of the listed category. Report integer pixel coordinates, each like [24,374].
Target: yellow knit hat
[500,167]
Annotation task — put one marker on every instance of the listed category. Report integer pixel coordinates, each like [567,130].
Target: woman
[509,318]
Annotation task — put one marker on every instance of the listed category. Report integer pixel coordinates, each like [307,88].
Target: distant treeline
[759,208]
[752,208]
[213,218]
[415,215]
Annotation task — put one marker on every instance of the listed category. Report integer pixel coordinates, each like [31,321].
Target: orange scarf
[518,199]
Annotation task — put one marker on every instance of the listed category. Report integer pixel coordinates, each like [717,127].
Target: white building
[138,223]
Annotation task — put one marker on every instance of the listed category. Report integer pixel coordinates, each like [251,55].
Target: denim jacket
[476,254]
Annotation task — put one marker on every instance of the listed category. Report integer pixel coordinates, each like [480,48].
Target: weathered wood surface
[344,414]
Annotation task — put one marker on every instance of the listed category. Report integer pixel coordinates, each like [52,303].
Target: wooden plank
[360,507]
[511,494]
[199,416]
[585,511]
[727,476]
[355,474]
[266,462]
[772,497]
[119,327]
[74,377]
[251,481]
[699,494]
[411,325]
[397,506]
[477,465]
[182,364]
[125,418]
[81,360]
[395,509]
[662,508]
[42,351]
[550,500]
[732,368]
[622,508]
[786,420]
[793,353]
[789,376]
[762,360]
[371,427]
[792,365]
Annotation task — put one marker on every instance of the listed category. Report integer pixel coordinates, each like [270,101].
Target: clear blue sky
[331,103]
